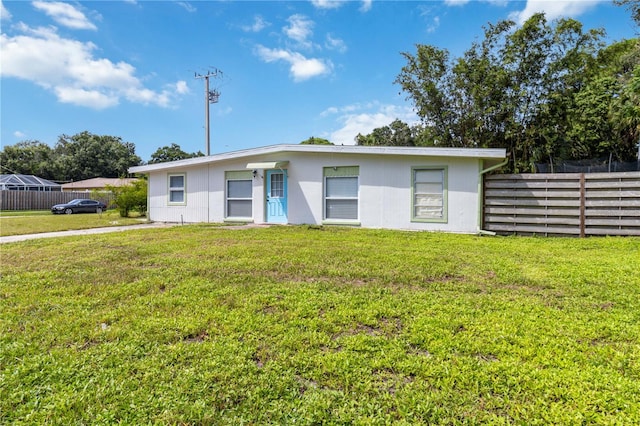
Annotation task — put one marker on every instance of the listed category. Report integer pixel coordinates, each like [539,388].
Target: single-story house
[434,189]
[96,184]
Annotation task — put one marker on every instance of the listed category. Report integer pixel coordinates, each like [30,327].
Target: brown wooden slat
[532,202]
[534,229]
[613,222]
[612,212]
[512,184]
[613,194]
[533,220]
[490,193]
[531,211]
[545,204]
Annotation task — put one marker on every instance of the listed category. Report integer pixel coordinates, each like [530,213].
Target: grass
[35,222]
[284,325]
[12,213]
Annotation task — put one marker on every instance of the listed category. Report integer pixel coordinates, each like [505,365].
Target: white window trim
[327,221]
[227,199]
[175,189]
[445,195]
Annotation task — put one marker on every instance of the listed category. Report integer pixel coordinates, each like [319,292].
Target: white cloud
[187,6]
[433,25]
[554,9]
[327,4]
[335,4]
[301,68]
[258,25]
[366,5]
[300,29]
[83,97]
[65,14]
[18,134]
[4,13]
[463,2]
[69,69]
[335,44]
[181,87]
[456,2]
[363,118]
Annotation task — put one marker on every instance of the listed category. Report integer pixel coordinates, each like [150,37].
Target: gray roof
[17,180]
[480,153]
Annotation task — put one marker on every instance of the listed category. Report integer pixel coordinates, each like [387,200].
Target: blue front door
[276,196]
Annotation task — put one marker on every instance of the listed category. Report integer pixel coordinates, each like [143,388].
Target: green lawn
[35,222]
[299,325]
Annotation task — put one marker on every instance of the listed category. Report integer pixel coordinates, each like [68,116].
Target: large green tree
[86,155]
[172,153]
[529,89]
[605,119]
[29,158]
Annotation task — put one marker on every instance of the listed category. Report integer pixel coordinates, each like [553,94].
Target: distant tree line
[545,92]
[81,156]
[77,157]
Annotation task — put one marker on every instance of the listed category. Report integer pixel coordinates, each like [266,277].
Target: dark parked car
[79,205]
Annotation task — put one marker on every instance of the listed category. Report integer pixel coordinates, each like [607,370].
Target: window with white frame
[239,190]
[177,187]
[429,194]
[341,193]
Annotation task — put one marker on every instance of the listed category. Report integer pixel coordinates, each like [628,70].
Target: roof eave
[479,153]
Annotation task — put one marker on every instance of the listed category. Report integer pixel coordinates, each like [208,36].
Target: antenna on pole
[210,97]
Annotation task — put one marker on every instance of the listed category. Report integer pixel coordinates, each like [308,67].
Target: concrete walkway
[16,238]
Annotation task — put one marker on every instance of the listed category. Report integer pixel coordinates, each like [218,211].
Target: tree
[515,89]
[316,141]
[172,153]
[85,156]
[606,116]
[633,6]
[130,197]
[398,133]
[29,158]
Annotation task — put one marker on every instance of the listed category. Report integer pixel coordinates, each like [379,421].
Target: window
[341,193]
[239,194]
[177,189]
[277,185]
[429,194]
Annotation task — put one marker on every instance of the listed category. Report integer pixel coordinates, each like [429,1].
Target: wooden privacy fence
[579,204]
[43,200]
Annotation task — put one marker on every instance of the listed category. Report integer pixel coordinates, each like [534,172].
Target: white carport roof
[479,153]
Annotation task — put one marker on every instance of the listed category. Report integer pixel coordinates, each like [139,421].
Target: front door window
[277,196]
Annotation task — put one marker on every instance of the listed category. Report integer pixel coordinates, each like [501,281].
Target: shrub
[131,197]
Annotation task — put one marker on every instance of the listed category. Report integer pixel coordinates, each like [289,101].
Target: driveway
[16,238]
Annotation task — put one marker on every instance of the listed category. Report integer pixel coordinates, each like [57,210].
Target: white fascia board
[480,153]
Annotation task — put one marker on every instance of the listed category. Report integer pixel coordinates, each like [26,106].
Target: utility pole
[210,97]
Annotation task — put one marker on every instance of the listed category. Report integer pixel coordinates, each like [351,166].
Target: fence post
[583,195]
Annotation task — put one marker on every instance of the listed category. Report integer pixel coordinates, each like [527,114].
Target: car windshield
[77,201]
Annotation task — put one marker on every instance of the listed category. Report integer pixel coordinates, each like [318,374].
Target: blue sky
[289,70]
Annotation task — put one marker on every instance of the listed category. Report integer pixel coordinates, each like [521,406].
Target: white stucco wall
[384,190]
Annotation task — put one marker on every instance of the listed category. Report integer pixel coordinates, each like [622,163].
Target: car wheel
[68,211]
[99,210]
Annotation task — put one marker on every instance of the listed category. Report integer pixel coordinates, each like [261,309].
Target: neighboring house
[96,184]
[18,182]
[436,189]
